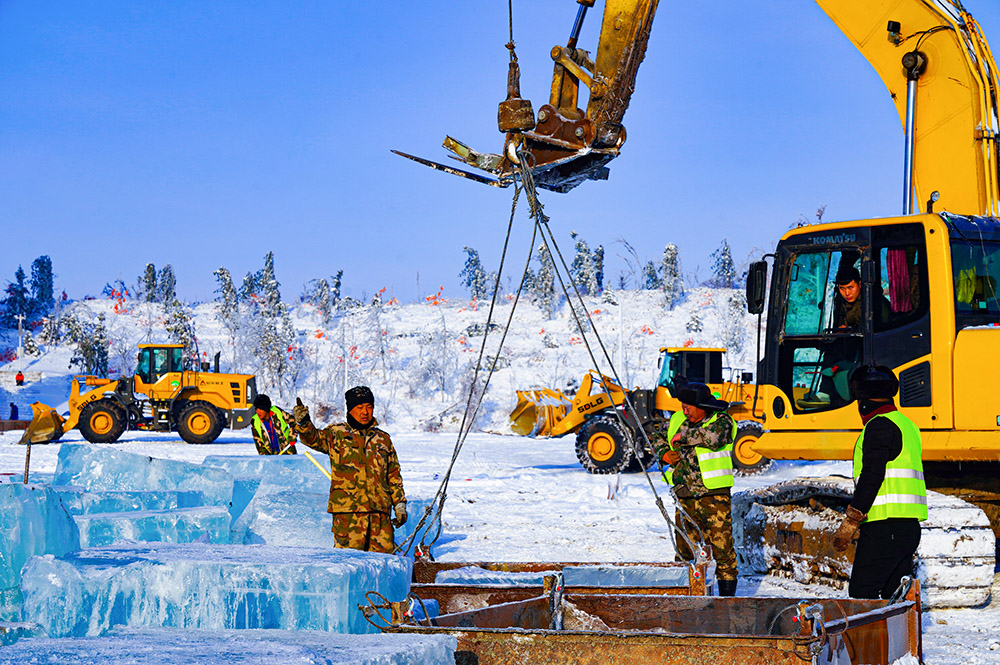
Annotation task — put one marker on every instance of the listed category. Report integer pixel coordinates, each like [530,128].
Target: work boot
[727,587]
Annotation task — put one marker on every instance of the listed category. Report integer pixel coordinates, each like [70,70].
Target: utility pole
[20,341]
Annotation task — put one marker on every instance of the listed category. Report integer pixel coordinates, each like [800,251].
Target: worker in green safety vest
[698,444]
[272,428]
[890,497]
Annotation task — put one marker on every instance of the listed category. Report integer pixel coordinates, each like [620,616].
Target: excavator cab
[690,364]
[156,361]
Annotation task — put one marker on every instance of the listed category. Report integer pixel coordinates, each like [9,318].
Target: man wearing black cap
[847,311]
[272,428]
[698,445]
[890,497]
[366,484]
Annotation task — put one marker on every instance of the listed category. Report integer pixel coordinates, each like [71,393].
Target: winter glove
[300,412]
[400,518]
[848,528]
[671,457]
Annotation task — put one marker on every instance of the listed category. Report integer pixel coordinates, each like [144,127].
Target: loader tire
[199,422]
[102,421]
[602,446]
[745,460]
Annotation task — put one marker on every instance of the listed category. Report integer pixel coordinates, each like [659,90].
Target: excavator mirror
[756,286]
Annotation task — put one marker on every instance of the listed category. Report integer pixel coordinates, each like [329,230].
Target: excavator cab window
[976,271]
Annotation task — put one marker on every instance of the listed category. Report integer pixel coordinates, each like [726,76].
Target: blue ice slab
[204,524]
[99,468]
[637,576]
[210,587]
[80,502]
[256,647]
[477,575]
[299,519]
[11,632]
[277,473]
[32,521]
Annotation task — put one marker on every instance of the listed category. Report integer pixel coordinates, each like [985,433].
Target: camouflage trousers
[371,532]
[713,513]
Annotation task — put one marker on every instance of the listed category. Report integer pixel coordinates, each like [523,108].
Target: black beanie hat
[262,402]
[359,395]
[873,382]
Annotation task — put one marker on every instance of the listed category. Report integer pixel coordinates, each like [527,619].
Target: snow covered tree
[582,270]
[599,267]
[17,301]
[694,324]
[166,288]
[335,288]
[723,270]
[732,316]
[42,300]
[543,285]
[179,325]
[147,283]
[473,276]
[651,276]
[51,329]
[250,287]
[319,296]
[673,284]
[30,345]
[90,345]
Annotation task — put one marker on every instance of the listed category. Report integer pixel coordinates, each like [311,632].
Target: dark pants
[884,555]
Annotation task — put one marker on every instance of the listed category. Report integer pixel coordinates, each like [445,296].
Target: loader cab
[694,364]
[157,360]
[816,336]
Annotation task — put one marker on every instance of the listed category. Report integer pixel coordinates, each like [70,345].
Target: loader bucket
[537,411]
[46,425]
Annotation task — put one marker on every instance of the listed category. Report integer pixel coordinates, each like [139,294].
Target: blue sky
[203,134]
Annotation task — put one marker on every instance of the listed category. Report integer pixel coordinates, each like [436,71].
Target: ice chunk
[211,587]
[81,502]
[277,473]
[32,521]
[612,576]
[101,468]
[477,575]
[11,632]
[261,647]
[206,524]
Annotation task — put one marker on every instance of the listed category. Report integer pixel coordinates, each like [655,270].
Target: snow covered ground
[515,498]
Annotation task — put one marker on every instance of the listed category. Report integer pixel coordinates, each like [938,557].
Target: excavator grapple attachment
[46,425]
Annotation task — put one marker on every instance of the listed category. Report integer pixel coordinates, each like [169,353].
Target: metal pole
[574,35]
[20,341]
[911,98]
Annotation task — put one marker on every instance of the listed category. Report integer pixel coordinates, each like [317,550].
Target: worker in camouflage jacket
[697,443]
[366,484]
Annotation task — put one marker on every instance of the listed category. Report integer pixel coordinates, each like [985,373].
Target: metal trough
[503,625]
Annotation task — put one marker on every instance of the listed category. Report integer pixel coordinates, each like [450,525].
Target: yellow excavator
[162,396]
[929,277]
[610,443]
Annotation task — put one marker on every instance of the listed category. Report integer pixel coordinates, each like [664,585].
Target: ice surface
[211,587]
[207,524]
[277,473]
[257,647]
[32,521]
[477,575]
[81,502]
[102,468]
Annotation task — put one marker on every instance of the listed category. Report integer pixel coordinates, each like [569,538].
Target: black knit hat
[359,395]
[846,275]
[262,402]
[699,395]
[873,382]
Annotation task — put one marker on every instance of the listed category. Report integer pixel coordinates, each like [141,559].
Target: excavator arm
[937,46]
[568,145]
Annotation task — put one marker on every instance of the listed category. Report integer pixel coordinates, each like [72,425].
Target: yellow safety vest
[283,427]
[903,492]
[716,466]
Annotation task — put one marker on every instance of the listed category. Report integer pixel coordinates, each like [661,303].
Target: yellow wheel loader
[608,443]
[162,396]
